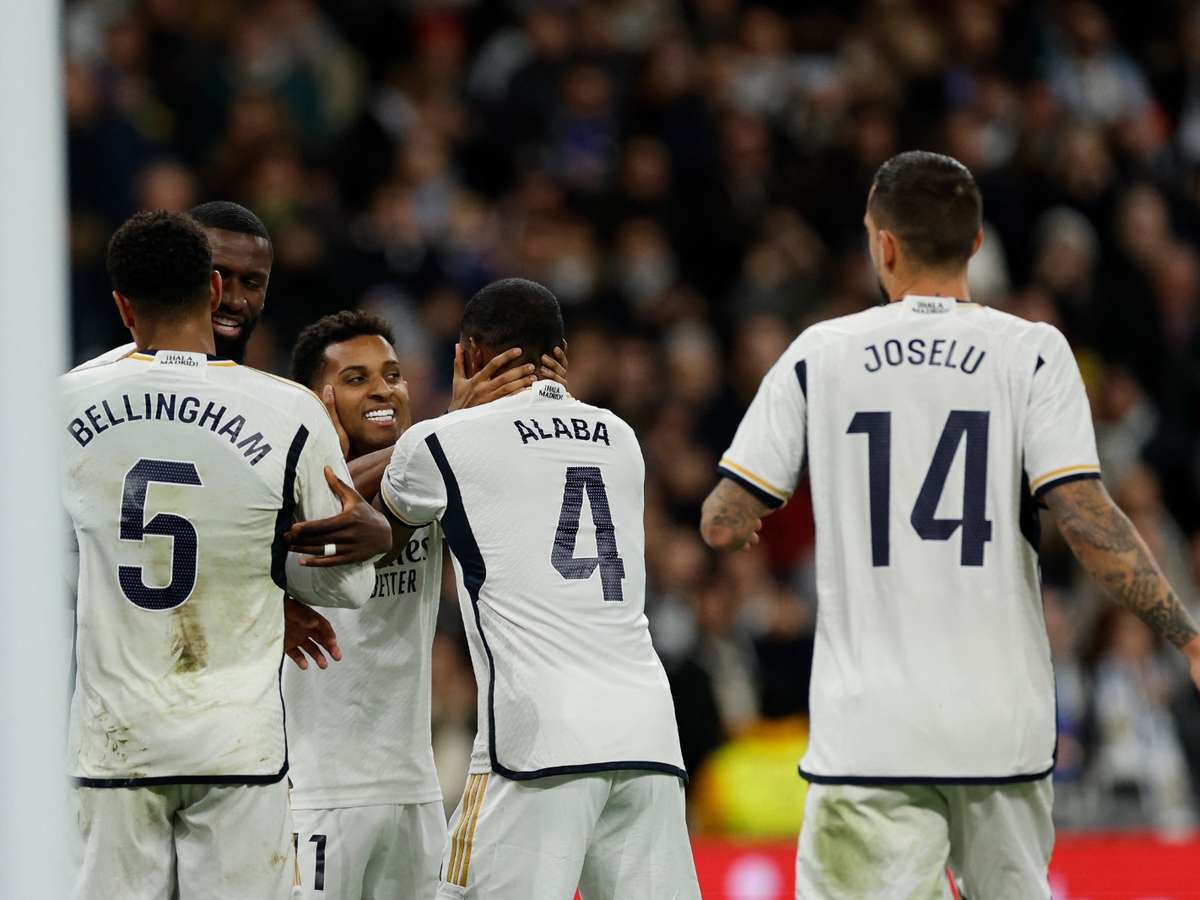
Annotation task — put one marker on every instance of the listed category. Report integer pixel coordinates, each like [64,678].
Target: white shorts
[188,841]
[387,852]
[614,835]
[896,842]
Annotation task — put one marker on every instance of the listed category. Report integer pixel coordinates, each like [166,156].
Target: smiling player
[180,472]
[242,255]
[366,799]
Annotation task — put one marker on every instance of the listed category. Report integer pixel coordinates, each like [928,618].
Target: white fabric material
[360,731]
[931,654]
[180,623]
[384,852]
[534,478]
[614,835]
[191,842]
[894,843]
[108,356]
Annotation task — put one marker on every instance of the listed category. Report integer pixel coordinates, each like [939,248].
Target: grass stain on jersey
[190,647]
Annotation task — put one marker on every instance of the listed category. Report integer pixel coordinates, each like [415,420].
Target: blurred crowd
[689,178]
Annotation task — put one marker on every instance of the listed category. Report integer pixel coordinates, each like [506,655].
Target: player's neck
[932,285]
[191,336]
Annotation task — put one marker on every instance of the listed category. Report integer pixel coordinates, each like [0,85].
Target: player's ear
[888,249]
[125,308]
[978,241]
[215,287]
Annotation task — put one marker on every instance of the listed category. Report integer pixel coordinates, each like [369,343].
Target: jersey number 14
[976,528]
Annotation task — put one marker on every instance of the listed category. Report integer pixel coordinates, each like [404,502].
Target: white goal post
[34,612]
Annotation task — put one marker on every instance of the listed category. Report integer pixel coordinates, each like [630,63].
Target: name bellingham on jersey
[168,407]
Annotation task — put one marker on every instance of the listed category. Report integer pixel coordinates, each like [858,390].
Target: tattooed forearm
[1109,547]
[730,517]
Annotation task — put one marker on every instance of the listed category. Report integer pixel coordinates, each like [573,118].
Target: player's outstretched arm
[731,517]
[1109,547]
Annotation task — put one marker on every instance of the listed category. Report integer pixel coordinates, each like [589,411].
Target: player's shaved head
[514,312]
[161,262]
[229,216]
[932,205]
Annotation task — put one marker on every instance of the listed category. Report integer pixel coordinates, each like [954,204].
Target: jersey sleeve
[1060,444]
[768,450]
[413,488]
[338,586]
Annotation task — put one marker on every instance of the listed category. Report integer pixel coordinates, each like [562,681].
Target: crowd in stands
[689,178]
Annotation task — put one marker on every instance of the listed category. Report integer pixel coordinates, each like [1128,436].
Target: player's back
[543,512]
[927,422]
[180,476]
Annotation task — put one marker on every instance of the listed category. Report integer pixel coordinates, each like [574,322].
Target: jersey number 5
[134,527]
[976,529]
[562,556]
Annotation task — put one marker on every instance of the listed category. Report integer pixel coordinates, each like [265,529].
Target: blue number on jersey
[976,528]
[134,527]
[562,556]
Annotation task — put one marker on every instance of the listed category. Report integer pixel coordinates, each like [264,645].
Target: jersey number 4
[976,529]
[134,527]
[562,556]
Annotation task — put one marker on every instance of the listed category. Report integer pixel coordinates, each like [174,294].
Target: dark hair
[514,312]
[229,216]
[931,203]
[160,261]
[309,353]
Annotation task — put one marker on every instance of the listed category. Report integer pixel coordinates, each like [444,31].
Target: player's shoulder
[831,332]
[1025,341]
[116,354]
[274,391]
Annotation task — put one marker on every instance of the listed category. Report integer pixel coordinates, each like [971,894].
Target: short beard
[235,348]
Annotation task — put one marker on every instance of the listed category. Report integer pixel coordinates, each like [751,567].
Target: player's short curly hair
[931,203]
[515,312]
[160,261]
[309,353]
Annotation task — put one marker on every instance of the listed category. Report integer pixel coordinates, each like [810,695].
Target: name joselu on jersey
[163,407]
[580,430]
[920,352]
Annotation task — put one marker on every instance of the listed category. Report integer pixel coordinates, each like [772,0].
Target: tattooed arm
[1109,547]
[731,517]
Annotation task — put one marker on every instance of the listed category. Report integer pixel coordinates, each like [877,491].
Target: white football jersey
[541,501]
[930,427]
[360,731]
[109,356]
[180,474]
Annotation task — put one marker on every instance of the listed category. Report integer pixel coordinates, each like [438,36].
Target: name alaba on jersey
[541,500]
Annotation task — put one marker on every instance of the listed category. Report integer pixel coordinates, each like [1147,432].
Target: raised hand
[358,533]
[485,385]
[554,368]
